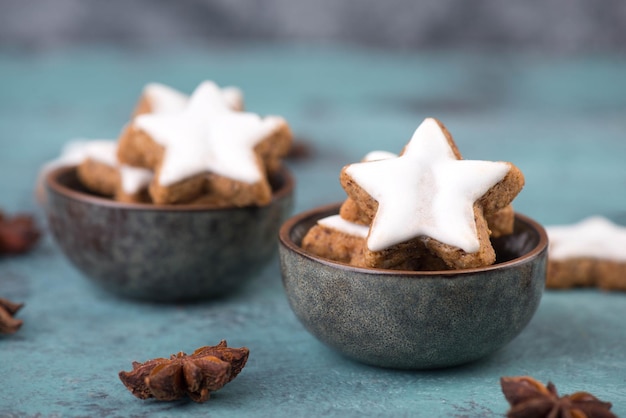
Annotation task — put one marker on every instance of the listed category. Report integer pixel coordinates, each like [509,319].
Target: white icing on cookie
[337,223]
[72,153]
[594,237]
[233,97]
[75,152]
[208,136]
[426,192]
[103,151]
[165,99]
[379,155]
[134,179]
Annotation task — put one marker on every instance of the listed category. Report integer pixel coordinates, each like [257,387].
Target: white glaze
[134,179]
[337,223]
[426,192]
[72,153]
[233,97]
[165,99]
[103,151]
[76,151]
[593,237]
[208,136]
[379,155]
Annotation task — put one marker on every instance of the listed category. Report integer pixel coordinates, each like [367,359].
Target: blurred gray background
[562,26]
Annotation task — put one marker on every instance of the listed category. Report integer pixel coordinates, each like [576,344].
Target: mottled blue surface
[561,120]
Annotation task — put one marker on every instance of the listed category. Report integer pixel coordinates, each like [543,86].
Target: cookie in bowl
[407,271]
[201,216]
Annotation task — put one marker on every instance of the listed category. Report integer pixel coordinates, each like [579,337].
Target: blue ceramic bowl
[164,252]
[412,319]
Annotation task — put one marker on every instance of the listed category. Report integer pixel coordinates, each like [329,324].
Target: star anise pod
[18,234]
[8,324]
[529,398]
[195,375]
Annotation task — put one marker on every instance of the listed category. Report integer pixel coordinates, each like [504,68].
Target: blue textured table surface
[562,120]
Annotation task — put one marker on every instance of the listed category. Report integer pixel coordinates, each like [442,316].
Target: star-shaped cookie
[429,196]
[589,253]
[207,148]
[500,222]
[594,237]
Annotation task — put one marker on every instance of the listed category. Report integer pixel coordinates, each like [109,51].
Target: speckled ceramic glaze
[163,253]
[415,320]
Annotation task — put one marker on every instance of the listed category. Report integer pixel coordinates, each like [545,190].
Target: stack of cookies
[426,209]
[179,149]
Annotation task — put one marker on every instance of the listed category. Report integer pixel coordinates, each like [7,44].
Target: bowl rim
[284,236]
[53,185]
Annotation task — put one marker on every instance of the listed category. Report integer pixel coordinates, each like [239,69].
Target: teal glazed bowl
[413,319]
[164,252]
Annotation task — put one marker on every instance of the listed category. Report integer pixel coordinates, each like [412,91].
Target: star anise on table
[529,398]
[18,233]
[8,324]
[195,375]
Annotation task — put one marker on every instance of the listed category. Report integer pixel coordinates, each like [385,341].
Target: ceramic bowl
[165,252]
[411,319]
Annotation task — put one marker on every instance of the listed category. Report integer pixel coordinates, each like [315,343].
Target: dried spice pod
[195,375]
[8,324]
[529,398]
[18,234]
